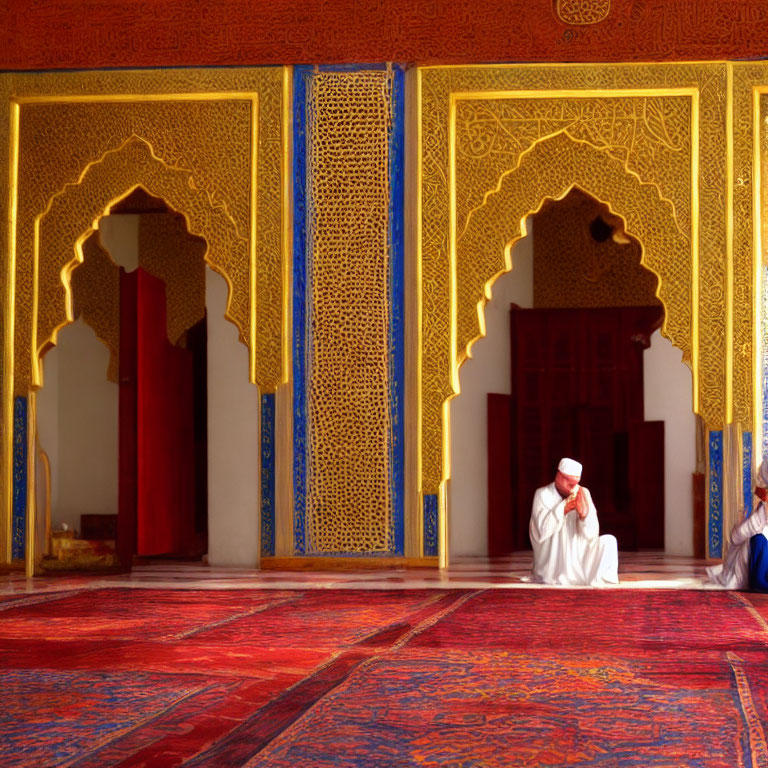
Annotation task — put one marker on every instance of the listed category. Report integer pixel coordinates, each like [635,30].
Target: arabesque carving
[224,125]
[483,252]
[73,214]
[582,11]
[648,141]
[96,297]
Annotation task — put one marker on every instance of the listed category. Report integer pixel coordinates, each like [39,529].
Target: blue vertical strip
[764,359]
[746,470]
[396,304]
[715,523]
[430,525]
[267,475]
[301,76]
[19,523]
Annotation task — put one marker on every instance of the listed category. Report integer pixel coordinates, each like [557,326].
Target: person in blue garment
[746,562]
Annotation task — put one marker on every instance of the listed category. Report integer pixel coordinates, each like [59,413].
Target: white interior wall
[486,371]
[119,234]
[668,388]
[77,407]
[77,420]
[233,440]
[48,422]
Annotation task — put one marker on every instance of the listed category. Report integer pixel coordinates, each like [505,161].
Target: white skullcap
[569,467]
[762,473]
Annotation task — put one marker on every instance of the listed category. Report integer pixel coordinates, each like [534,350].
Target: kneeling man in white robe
[567,546]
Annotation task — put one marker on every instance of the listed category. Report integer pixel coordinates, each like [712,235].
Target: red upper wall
[67,34]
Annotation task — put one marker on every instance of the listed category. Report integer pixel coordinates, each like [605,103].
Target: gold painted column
[347,315]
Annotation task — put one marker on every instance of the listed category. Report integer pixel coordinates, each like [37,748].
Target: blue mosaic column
[431,525]
[301,77]
[746,470]
[715,518]
[19,522]
[267,475]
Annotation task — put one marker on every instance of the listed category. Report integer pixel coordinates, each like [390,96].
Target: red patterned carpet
[469,679]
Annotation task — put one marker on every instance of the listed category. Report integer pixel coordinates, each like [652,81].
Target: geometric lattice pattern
[349,503]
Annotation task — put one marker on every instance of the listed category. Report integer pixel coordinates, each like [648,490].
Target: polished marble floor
[637,570]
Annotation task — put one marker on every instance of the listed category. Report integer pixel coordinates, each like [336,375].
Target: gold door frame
[213,143]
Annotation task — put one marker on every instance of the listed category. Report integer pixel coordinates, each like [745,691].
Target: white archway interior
[667,397]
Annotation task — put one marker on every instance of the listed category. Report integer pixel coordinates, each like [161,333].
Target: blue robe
[758,563]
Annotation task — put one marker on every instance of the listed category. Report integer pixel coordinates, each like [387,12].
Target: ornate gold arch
[496,142]
[548,171]
[72,215]
[229,127]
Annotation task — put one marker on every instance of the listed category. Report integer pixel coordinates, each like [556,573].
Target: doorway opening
[141,289]
[574,364]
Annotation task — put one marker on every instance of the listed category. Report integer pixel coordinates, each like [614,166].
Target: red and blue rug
[495,678]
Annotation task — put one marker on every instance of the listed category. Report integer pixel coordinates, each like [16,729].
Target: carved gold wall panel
[167,251]
[647,140]
[749,175]
[219,132]
[349,505]
[573,269]
[96,297]
[66,222]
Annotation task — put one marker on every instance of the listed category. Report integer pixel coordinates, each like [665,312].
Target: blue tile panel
[19,522]
[267,475]
[715,518]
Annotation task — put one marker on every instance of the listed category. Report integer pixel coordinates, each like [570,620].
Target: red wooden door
[577,387]
[157,449]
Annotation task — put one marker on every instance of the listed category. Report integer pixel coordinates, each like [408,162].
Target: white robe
[566,549]
[733,572]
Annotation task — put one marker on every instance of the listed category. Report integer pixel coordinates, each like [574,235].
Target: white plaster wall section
[48,424]
[87,427]
[77,407]
[233,440]
[119,234]
[668,391]
[488,370]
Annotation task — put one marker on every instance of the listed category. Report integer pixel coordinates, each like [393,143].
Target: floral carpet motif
[326,677]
